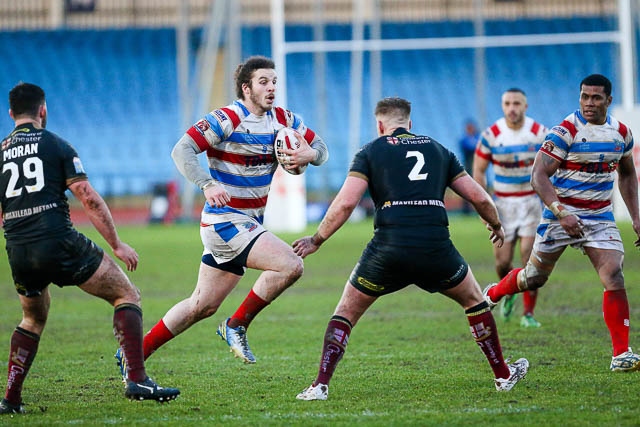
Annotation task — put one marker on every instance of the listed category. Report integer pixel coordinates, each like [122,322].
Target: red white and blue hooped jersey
[240,153]
[589,155]
[512,153]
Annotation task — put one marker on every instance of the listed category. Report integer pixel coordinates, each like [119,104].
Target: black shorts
[69,260]
[383,269]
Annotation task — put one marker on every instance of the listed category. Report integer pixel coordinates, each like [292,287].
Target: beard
[255,100]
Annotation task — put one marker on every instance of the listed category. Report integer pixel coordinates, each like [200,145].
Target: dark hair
[26,99]
[244,72]
[597,80]
[516,90]
[399,106]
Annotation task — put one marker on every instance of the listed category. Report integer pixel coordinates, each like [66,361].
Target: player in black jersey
[43,247]
[407,175]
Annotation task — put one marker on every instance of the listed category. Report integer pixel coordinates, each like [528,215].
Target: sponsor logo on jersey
[548,146]
[220,115]
[386,204]
[77,164]
[559,130]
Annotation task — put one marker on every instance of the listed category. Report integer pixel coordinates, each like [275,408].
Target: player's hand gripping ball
[286,138]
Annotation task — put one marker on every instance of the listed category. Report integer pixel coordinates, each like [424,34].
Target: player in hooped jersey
[574,175]
[238,141]
[43,247]
[407,175]
[511,144]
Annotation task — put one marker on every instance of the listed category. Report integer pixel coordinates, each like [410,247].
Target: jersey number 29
[31,169]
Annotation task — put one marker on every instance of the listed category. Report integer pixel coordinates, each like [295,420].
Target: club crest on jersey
[548,146]
[393,140]
[202,126]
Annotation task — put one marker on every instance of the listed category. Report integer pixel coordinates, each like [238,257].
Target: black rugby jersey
[37,166]
[408,175]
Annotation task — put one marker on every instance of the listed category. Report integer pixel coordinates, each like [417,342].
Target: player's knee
[613,279]
[534,277]
[132,294]
[295,269]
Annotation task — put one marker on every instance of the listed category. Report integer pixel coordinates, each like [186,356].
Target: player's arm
[544,166]
[322,152]
[100,216]
[481,159]
[480,165]
[185,156]
[338,213]
[467,188]
[628,186]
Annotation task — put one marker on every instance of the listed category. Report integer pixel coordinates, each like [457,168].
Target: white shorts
[551,237]
[225,236]
[519,215]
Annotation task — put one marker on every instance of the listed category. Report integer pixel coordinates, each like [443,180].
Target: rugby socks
[508,285]
[127,328]
[615,308]
[484,331]
[336,338]
[529,301]
[248,310]
[156,338]
[24,346]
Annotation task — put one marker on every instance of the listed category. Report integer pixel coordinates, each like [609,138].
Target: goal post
[290,201]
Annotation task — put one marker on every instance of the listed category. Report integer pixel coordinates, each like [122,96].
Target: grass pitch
[410,361]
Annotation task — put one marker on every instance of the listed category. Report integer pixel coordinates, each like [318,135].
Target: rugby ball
[286,138]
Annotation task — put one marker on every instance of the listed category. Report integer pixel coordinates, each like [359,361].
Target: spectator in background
[511,144]
[467,146]
[43,247]
[574,174]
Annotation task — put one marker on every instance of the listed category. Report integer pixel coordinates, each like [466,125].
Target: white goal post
[286,209]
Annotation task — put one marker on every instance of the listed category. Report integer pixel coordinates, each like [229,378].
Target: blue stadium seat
[113,93]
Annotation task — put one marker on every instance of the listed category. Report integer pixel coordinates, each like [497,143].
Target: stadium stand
[113,92]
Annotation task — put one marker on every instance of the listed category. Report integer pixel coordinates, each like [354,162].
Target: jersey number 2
[31,169]
[415,174]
